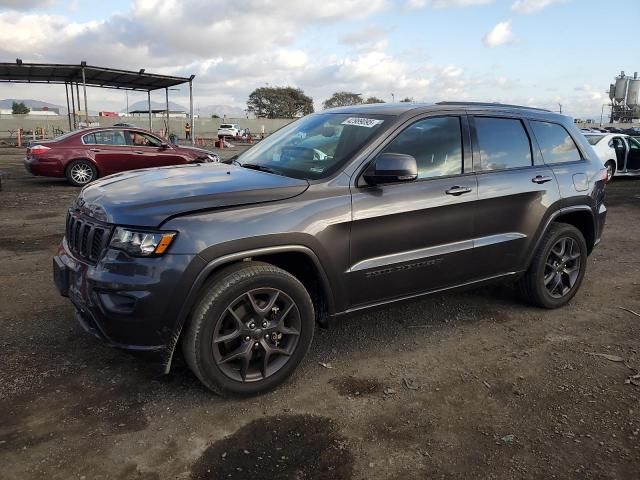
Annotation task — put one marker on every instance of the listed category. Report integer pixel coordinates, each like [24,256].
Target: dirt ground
[465,385]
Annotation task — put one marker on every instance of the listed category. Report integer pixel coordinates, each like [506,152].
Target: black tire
[610,165]
[218,299]
[543,266]
[81,172]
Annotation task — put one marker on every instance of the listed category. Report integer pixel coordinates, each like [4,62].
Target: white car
[620,153]
[229,130]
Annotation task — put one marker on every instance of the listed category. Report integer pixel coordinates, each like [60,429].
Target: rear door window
[107,137]
[503,143]
[556,144]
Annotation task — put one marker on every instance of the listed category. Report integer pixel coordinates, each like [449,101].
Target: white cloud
[413,4]
[235,47]
[499,35]
[24,4]
[532,6]
[368,38]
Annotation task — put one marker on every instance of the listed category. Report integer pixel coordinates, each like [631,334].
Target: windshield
[314,146]
[593,139]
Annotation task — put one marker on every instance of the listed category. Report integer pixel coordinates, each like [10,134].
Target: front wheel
[558,267]
[251,328]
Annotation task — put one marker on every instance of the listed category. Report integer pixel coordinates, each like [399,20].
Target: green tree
[407,100]
[19,108]
[342,99]
[279,102]
[215,115]
[374,100]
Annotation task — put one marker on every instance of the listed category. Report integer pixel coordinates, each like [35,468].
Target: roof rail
[490,104]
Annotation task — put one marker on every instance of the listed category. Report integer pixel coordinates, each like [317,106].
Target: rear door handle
[541,179]
[457,190]
[94,149]
[138,151]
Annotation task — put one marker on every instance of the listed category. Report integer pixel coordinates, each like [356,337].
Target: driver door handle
[541,179]
[138,151]
[94,149]
[457,190]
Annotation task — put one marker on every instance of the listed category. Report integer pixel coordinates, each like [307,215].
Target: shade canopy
[18,72]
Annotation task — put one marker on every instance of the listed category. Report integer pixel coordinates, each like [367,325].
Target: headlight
[213,157]
[141,244]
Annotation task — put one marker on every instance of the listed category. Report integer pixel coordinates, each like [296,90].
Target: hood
[148,197]
[195,150]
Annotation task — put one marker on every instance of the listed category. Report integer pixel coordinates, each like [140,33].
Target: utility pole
[393,98]
[560,105]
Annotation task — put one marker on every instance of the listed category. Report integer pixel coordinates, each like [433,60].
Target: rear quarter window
[555,143]
[593,139]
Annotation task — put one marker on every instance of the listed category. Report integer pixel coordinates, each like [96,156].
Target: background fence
[48,126]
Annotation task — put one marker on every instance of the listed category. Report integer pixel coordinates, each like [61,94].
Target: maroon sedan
[85,155]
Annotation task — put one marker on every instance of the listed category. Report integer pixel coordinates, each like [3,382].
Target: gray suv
[339,211]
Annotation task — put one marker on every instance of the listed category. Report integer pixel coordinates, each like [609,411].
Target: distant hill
[143,105]
[204,111]
[32,104]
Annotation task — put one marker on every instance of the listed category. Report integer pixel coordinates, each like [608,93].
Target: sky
[531,52]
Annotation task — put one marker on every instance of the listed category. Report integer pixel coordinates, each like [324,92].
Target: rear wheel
[81,172]
[558,267]
[611,169]
[251,328]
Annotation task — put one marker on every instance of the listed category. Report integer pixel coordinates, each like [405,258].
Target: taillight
[39,149]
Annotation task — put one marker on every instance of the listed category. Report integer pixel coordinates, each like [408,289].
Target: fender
[230,258]
[552,217]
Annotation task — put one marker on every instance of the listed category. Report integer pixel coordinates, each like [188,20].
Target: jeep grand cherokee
[339,211]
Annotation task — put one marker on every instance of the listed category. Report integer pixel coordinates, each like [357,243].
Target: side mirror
[391,168]
[164,146]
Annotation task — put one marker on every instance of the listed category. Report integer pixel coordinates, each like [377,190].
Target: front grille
[86,239]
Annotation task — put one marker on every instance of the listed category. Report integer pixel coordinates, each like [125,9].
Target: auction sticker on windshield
[362,122]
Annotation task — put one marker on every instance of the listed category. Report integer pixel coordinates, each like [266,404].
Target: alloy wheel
[562,267]
[81,173]
[256,335]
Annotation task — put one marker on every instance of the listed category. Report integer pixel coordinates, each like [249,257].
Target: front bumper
[129,303]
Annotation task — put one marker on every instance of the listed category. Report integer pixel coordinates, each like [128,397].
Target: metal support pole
[73,106]
[66,90]
[193,123]
[78,101]
[84,89]
[166,91]
[149,102]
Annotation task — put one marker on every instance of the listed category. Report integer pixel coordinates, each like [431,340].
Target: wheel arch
[298,260]
[580,216]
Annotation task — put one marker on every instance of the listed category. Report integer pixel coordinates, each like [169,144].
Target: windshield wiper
[255,166]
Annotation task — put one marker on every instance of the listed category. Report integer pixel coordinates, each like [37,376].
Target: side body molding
[436,251]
